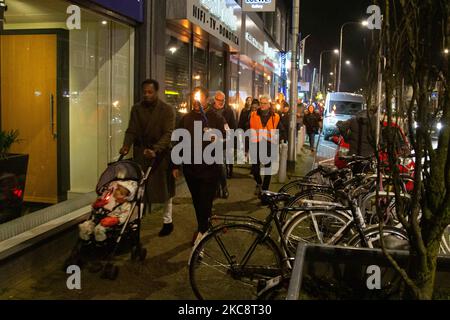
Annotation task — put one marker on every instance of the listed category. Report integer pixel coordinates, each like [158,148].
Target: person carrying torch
[201,178]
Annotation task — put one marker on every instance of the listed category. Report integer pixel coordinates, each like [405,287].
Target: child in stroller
[116,218]
[110,211]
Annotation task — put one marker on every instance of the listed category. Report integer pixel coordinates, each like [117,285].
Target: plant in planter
[13,172]
[7,139]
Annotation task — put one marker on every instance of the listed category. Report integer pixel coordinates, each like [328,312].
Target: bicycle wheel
[307,198]
[216,268]
[394,238]
[294,187]
[316,176]
[445,242]
[391,281]
[386,204]
[317,227]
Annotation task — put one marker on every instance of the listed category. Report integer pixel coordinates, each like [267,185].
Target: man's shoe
[225,193]
[258,190]
[166,229]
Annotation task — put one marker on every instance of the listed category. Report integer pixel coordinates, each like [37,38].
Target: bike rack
[307,253]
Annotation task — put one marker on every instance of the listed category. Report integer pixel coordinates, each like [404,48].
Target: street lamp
[335,51]
[348,62]
[446,51]
[363,23]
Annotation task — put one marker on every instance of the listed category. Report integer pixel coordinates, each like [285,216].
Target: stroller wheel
[110,272]
[135,252]
[142,254]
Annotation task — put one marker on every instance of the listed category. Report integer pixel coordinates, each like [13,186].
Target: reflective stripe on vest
[259,131]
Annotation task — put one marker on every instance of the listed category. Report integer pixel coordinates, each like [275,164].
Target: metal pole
[340,59]
[380,89]
[313,82]
[320,71]
[294,84]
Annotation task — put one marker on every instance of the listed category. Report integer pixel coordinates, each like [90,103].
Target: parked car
[340,106]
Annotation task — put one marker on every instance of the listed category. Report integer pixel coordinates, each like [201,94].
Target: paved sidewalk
[164,274]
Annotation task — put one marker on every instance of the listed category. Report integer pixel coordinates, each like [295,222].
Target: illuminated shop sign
[258,5]
[270,52]
[220,10]
[217,18]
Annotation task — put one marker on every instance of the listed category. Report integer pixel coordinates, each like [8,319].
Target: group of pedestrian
[149,132]
[152,123]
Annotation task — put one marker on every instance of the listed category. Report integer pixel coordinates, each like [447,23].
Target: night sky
[323,20]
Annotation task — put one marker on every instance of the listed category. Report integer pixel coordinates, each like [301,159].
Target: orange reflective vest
[259,130]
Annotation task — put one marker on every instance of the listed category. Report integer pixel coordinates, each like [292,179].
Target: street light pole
[320,71]
[292,157]
[341,51]
[320,67]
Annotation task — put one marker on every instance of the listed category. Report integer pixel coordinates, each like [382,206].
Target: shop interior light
[173,50]
[446,51]
[104,22]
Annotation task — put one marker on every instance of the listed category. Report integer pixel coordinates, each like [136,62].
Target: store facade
[201,36]
[214,44]
[67,85]
[260,63]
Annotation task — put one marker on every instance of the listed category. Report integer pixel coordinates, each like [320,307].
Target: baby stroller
[126,233]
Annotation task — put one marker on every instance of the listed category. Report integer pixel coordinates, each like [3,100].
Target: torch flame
[197,96]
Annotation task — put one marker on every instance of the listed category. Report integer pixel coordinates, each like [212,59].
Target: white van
[340,106]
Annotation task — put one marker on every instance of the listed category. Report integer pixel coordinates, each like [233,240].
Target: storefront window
[245,82]
[200,65]
[177,73]
[234,98]
[216,71]
[259,84]
[75,88]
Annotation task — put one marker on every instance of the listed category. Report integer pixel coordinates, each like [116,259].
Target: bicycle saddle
[268,197]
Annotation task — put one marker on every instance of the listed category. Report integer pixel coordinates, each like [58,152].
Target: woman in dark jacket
[312,121]
[202,178]
[244,117]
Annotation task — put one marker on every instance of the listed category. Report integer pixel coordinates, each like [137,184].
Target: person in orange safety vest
[264,124]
